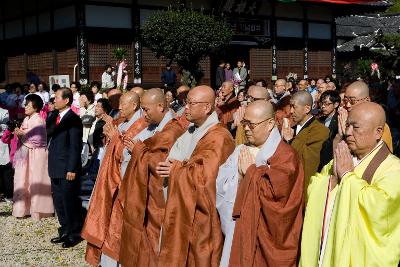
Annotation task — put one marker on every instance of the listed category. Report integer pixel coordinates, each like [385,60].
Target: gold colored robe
[192,234]
[364,228]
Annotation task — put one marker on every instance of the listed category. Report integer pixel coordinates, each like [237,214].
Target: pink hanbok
[32,189]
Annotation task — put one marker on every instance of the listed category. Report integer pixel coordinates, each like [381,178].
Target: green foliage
[185,36]
[363,68]
[120,53]
[395,8]
[389,58]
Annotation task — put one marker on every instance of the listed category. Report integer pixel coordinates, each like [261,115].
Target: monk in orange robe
[191,232]
[229,105]
[260,195]
[109,177]
[142,189]
[160,120]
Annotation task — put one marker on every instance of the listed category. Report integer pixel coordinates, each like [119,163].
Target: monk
[138,90]
[191,231]
[254,93]
[142,189]
[307,136]
[109,177]
[114,96]
[356,93]
[260,189]
[229,105]
[179,104]
[152,103]
[352,214]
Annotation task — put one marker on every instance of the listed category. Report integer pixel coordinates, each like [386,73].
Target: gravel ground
[25,242]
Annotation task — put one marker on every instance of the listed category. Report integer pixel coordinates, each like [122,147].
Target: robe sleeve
[313,218]
[369,215]
[191,194]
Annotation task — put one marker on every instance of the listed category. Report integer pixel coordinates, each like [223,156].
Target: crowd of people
[300,173]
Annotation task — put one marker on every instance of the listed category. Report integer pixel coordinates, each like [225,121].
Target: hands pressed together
[246,159]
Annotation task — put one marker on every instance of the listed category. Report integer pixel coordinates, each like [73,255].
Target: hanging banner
[137,78]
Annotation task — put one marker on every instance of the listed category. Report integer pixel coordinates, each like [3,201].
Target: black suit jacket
[219,77]
[327,147]
[98,135]
[66,146]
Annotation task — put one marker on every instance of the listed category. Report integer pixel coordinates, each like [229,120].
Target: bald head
[154,105]
[364,128]
[260,109]
[203,93]
[371,113]
[130,97]
[258,92]
[138,90]
[129,103]
[154,96]
[182,89]
[358,89]
[257,122]
[302,98]
[113,96]
[201,103]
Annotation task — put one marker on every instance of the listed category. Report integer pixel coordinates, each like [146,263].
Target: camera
[11,125]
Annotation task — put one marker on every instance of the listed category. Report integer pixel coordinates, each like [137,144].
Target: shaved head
[182,89]
[154,105]
[113,96]
[258,92]
[260,109]
[358,89]
[138,90]
[203,93]
[131,97]
[364,128]
[154,96]
[200,105]
[129,103]
[258,122]
[302,98]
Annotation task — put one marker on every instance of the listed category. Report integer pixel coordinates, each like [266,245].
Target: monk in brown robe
[141,194]
[191,232]
[260,195]
[129,124]
[229,105]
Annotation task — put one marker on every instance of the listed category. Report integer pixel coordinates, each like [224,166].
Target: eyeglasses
[325,104]
[252,125]
[192,103]
[353,100]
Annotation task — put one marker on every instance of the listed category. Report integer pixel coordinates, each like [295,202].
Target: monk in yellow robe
[356,93]
[352,214]
[191,232]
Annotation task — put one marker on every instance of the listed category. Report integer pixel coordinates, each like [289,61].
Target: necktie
[58,119]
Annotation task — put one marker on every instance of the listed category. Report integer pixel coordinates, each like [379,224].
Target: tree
[185,36]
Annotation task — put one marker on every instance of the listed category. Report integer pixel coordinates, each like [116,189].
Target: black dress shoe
[71,242]
[59,239]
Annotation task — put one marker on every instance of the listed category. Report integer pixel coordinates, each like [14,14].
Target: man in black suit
[220,75]
[65,149]
[329,102]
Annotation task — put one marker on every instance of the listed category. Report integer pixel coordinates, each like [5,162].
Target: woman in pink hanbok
[32,190]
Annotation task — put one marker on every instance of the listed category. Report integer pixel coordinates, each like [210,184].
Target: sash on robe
[363,228]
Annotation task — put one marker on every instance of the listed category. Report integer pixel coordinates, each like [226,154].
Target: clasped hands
[342,161]
[246,159]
